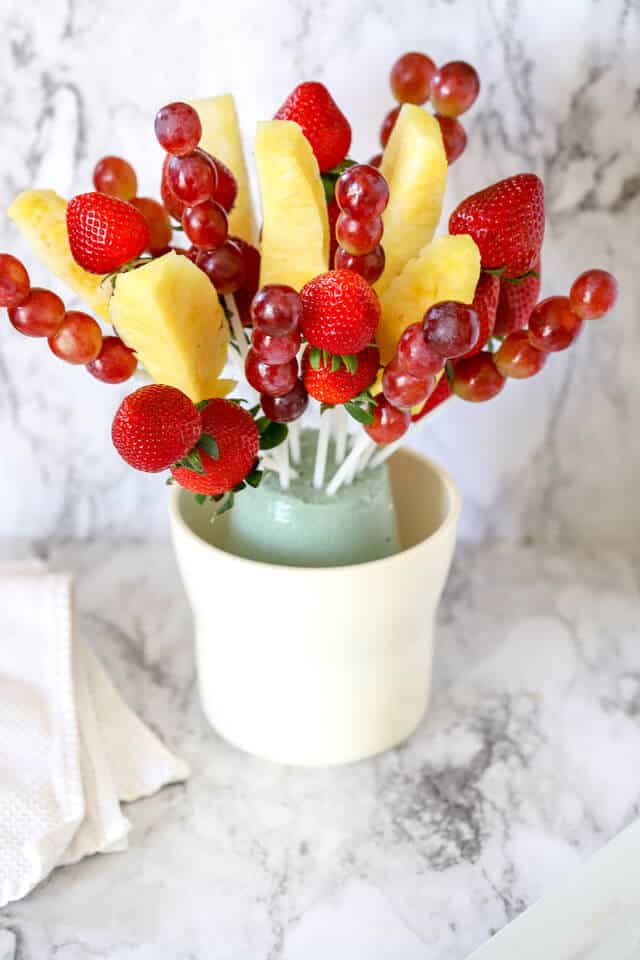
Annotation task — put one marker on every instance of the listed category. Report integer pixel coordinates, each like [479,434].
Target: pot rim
[450,520]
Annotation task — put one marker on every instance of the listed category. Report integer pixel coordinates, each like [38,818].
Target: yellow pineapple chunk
[415,167]
[221,138]
[40,215]
[168,313]
[295,226]
[446,269]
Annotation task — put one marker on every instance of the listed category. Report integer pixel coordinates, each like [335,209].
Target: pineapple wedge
[446,269]
[221,138]
[40,215]
[415,166]
[295,229]
[169,314]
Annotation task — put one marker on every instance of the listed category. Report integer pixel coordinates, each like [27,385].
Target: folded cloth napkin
[70,748]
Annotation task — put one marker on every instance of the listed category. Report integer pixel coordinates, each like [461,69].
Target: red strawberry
[105,233]
[441,393]
[516,303]
[247,292]
[333,211]
[339,386]
[485,303]
[236,435]
[506,221]
[340,312]
[324,125]
[154,427]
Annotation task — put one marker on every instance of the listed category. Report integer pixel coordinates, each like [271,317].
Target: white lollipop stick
[366,457]
[341,434]
[348,464]
[388,451]
[236,326]
[285,466]
[324,434]
[294,441]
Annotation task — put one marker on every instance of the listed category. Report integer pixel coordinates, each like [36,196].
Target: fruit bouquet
[343,309]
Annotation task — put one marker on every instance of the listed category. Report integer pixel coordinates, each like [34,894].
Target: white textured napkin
[70,748]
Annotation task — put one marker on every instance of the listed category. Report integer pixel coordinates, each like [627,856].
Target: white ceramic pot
[319,666]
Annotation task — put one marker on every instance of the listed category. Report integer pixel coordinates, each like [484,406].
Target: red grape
[115,177]
[178,128]
[517,358]
[274,379]
[375,160]
[370,265]
[206,225]
[411,78]
[39,315]
[14,281]
[453,137]
[275,349]
[224,267]
[362,192]
[115,363]
[388,124]
[451,328]
[288,407]
[404,391]
[454,88]
[358,236]
[192,178]
[389,423]
[158,222]
[227,188]
[249,288]
[477,378]
[553,326]
[78,339]
[414,354]
[174,206]
[593,294]
[276,309]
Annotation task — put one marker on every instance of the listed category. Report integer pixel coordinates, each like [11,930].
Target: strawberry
[105,233]
[324,125]
[516,303]
[154,427]
[485,303]
[248,290]
[339,386]
[506,221]
[340,312]
[441,393]
[237,439]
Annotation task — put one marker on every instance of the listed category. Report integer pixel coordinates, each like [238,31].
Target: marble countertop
[526,763]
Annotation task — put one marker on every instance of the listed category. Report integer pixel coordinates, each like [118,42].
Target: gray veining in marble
[557,458]
[526,764]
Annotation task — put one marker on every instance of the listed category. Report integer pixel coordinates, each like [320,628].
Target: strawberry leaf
[325,358]
[359,413]
[192,462]
[315,358]
[226,505]
[273,435]
[350,361]
[254,479]
[324,407]
[336,363]
[200,498]
[209,445]
[201,406]
[239,486]
[449,372]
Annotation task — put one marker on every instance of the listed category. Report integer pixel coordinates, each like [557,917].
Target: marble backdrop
[556,458]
